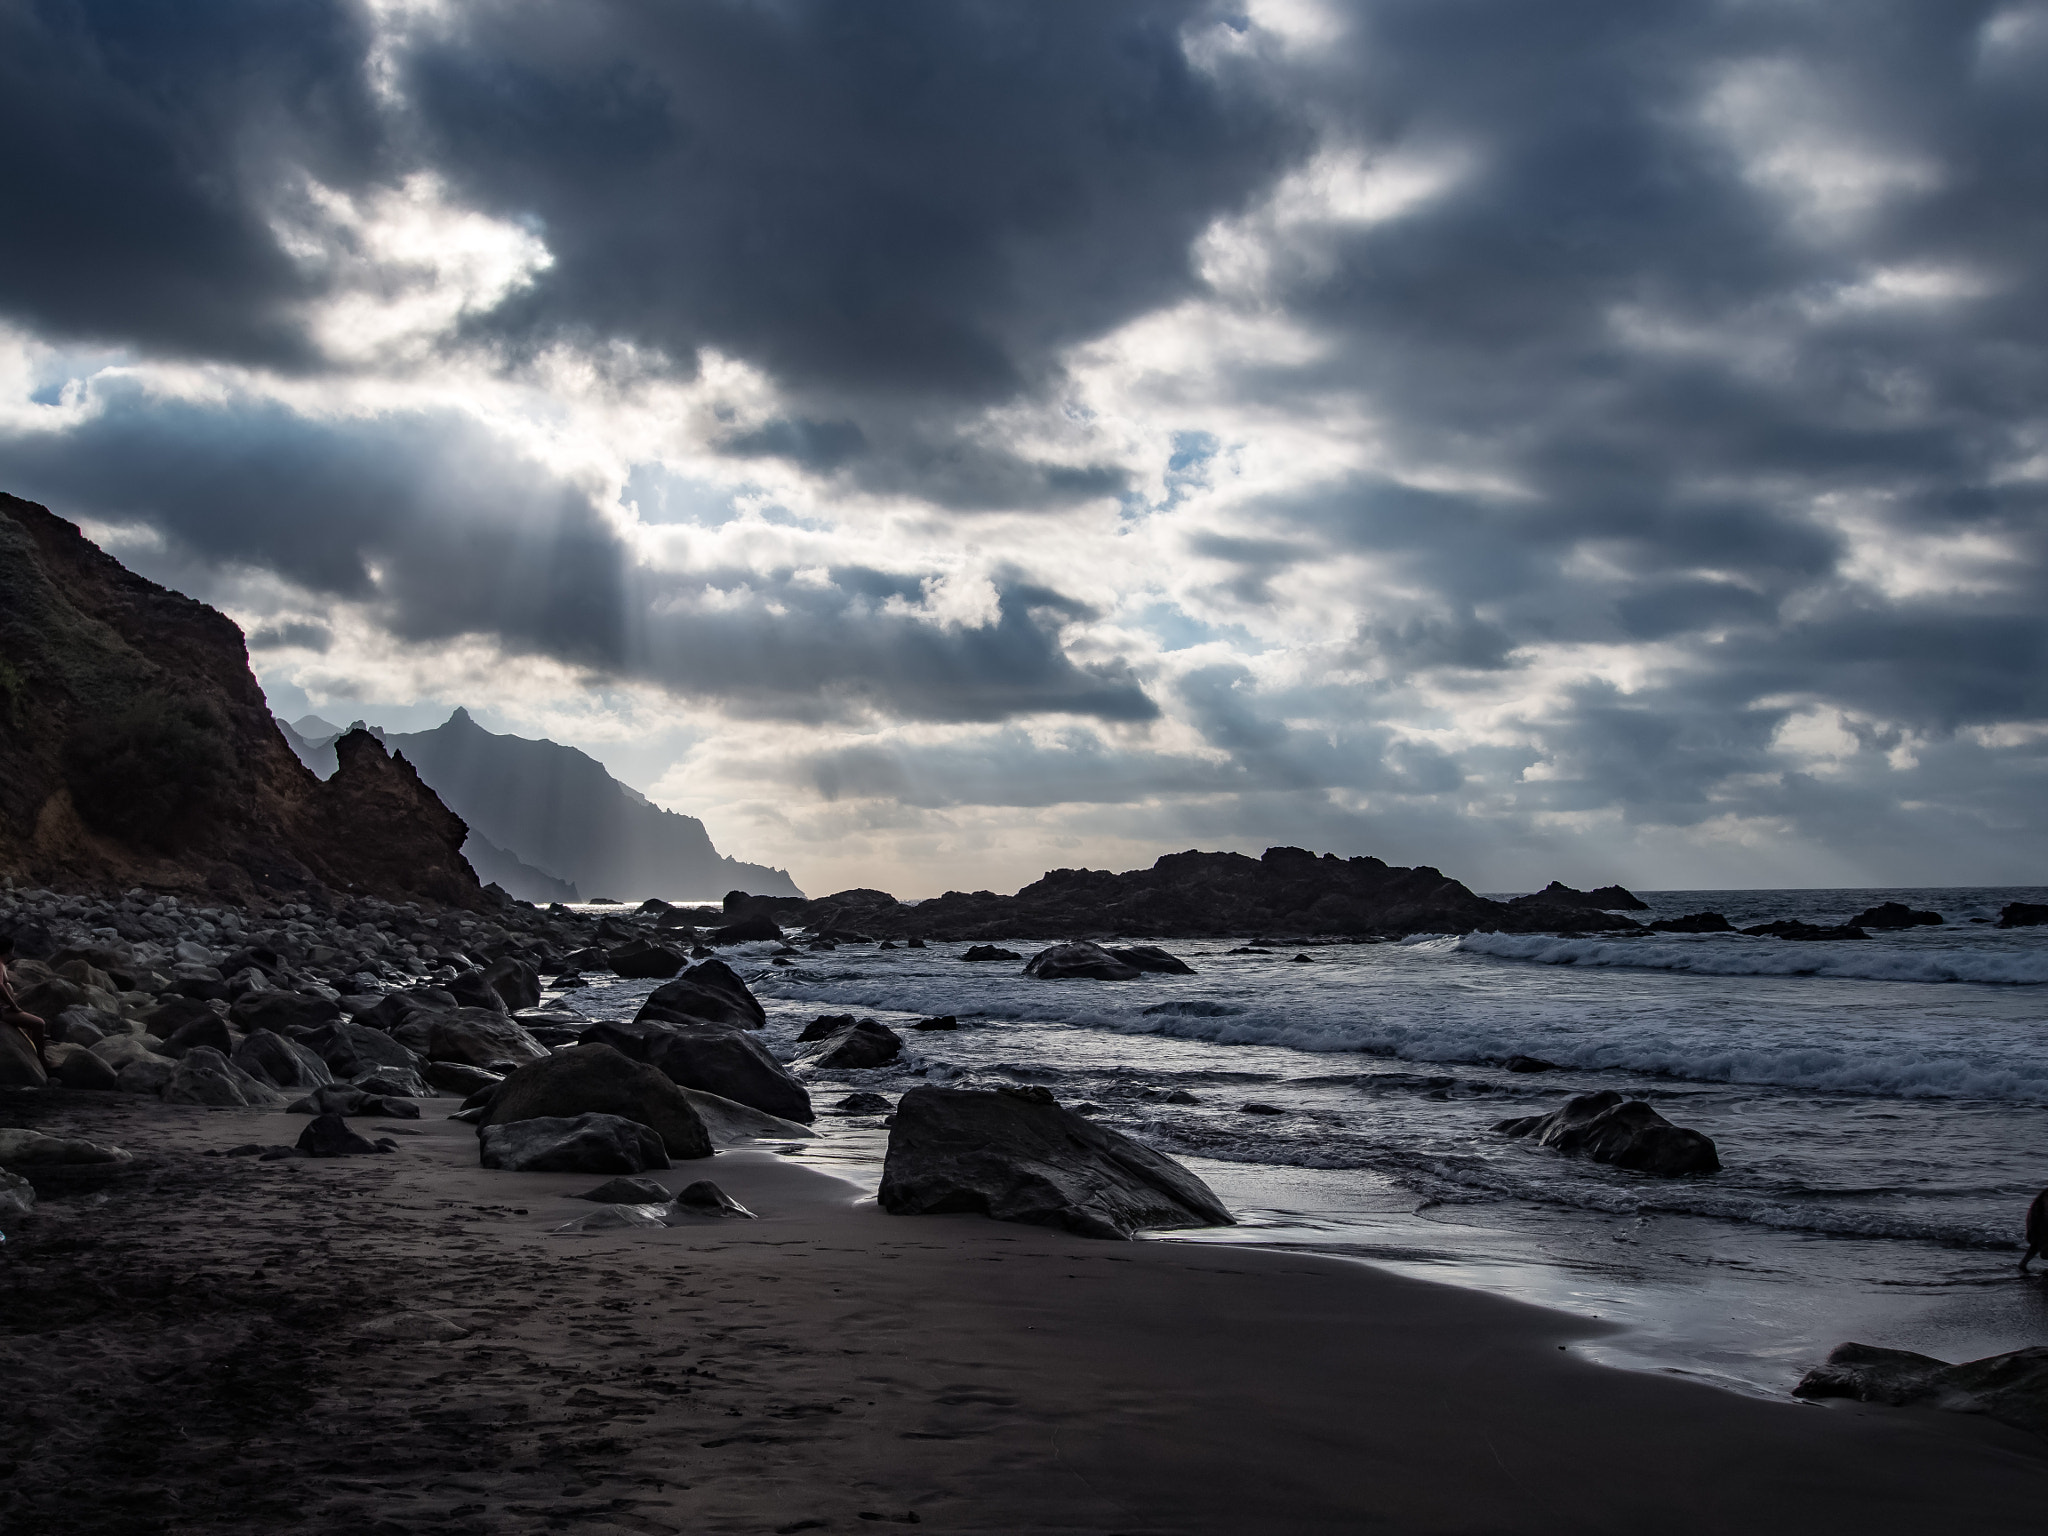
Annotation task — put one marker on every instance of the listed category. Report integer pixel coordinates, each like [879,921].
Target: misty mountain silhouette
[548,823]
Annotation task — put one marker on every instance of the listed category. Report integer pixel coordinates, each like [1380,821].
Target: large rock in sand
[1016,1155]
[204,1076]
[597,1079]
[1074,962]
[714,1058]
[32,1149]
[584,1144]
[351,1049]
[281,1011]
[280,1063]
[19,1067]
[1629,1134]
[710,992]
[474,1037]
[2011,1388]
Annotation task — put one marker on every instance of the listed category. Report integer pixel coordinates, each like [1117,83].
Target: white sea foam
[1720,955]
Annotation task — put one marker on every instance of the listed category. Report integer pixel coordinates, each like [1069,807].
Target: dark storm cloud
[443,531]
[147,144]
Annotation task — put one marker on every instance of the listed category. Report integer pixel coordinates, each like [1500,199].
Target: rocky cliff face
[137,749]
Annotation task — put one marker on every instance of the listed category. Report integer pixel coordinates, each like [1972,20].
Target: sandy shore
[200,1343]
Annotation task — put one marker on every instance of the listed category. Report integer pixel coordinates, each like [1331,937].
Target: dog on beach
[2037,1229]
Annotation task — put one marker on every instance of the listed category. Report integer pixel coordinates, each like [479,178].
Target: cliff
[137,749]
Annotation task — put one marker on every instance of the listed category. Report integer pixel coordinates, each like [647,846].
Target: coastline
[194,1345]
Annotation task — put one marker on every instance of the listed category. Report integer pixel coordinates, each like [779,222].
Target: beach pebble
[943,1021]
[714,1058]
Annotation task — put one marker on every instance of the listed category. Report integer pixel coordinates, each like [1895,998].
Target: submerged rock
[1895,914]
[1807,933]
[2011,1388]
[1080,962]
[942,1021]
[1629,1134]
[598,1079]
[990,952]
[1016,1155]
[590,1143]
[2014,914]
[1695,922]
[1150,957]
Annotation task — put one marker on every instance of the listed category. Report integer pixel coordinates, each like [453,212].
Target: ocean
[1880,1108]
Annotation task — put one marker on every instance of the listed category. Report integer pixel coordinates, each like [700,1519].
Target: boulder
[730,1122]
[174,1012]
[1629,1134]
[393,1083]
[990,952]
[943,1021]
[1519,1063]
[32,1149]
[758,928]
[709,992]
[146,1074]
[860,1045]
[281,1063]
[82,1070]
[590,1143]
[1150,957]
[516,983]
[17,1196]
[598,1079]
[863,1104]
[83,1026]
[351,1049]
[206,1076]
[627,1192]
[641,960]
[50,997]
[714,1058]
[19,1065]
[705,1199]
[1894,914]
[1016,1155]
[475,1037]
[1083,961]
[456,1077]
[2014,914]
[349,1099]
[2011,1388]
[210,1031]
[329,1136]
[824,1025]
[470,990]
[280,1011]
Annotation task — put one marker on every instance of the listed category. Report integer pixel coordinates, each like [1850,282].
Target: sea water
[1880,1107]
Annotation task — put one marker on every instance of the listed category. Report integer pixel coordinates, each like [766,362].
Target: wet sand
[200,1343]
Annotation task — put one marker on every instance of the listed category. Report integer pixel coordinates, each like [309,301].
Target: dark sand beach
[396,1344]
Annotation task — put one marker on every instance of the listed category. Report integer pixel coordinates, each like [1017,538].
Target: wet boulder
[475,1037]
[282,1063]
[860,1045]
[710,992]
[1017,1155]
[824,1026]
[590,1143]
[755,929]
[713,1058]
[598,1079]
[33,1149]
[1150,957]
[1080,962]
[640,960]
[457,1077]
[1627,1133]
[516,983]
[1693,922]
[983,952]
[280,1011]
[731,1122]
[2014,914]
[2011,1388]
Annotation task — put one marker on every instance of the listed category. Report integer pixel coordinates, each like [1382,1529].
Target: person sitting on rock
[11,1011]
[2037,1229]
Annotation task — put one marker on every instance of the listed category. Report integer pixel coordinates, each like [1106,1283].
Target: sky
[939,442]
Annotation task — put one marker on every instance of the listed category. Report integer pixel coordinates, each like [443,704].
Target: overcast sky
[936,442]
